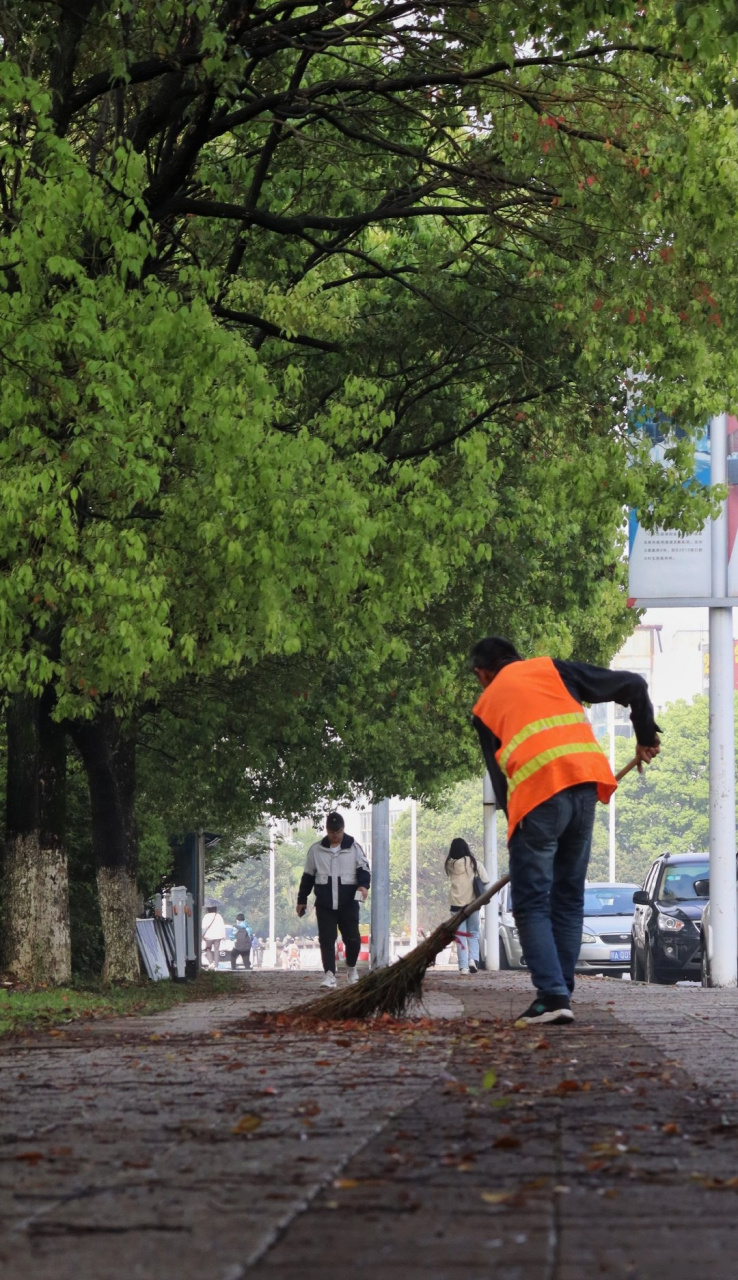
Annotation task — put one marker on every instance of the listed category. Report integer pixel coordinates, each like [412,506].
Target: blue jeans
[549,853]
[467,941]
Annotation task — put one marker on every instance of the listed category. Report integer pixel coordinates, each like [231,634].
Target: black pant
[346,919]
[245,956]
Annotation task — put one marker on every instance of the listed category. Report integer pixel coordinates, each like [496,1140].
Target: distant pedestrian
[257,952]
[461,867]
[241,943]
[213,933]
[337,870]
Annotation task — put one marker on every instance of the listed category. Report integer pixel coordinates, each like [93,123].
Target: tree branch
[476,421]
[266,326]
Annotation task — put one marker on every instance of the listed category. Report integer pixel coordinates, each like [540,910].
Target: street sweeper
[548,771]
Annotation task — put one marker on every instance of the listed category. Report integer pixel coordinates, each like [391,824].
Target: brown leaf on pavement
[247,1124]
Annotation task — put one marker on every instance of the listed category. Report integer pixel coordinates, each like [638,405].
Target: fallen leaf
[345,1184]
[489,1079]
[507,1142]
[32,1157]
[496,1197]
[568,1086]
[247,1124]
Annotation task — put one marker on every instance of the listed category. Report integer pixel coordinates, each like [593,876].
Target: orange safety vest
[547,742]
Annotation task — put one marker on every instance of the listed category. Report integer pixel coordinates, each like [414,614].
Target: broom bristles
[391,990]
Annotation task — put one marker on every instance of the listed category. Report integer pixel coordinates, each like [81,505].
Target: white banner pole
[491,911]
[611,805]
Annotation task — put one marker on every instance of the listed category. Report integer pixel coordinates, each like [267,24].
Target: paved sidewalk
[203,1143]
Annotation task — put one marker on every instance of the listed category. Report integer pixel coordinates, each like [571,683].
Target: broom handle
[626,769]
[489,894]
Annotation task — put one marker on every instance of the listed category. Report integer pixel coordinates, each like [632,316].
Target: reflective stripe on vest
[536,726]
[566,749]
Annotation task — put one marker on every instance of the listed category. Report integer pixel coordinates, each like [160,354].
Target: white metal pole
[491,911]
[611,806]
[413,873]
[271,949]
[722,737]
[379,949]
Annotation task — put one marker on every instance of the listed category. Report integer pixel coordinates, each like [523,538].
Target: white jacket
[213,926]
[334,873]
[461,881]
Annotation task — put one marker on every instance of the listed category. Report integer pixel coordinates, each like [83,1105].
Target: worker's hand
[644,755]
[362,889]
[301,908]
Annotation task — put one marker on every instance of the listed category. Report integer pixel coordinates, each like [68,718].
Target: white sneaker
[352,974]
[329,980]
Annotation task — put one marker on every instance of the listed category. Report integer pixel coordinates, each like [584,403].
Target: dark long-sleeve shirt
[586,683]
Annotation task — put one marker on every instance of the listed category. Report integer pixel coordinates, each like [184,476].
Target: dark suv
[665,941]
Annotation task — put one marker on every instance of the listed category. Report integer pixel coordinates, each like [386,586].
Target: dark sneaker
[553,1010]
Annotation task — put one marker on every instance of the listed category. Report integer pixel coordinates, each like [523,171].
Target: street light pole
[722,736]
[413,873]
[271,942]
[380,913]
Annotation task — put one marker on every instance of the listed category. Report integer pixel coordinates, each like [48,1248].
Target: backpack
[242,940]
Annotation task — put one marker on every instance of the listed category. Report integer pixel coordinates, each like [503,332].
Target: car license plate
[622,955]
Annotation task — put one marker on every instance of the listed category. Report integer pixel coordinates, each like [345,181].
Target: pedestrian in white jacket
[461,868]
[213,933]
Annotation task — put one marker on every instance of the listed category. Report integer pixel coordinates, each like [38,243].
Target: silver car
[608,916]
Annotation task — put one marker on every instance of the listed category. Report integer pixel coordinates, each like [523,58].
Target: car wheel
[504,962]
[636,968]
[650,969]
[705,968]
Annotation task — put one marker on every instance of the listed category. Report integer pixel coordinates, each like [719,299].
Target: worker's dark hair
[493,652]
[460,849]
[334,822]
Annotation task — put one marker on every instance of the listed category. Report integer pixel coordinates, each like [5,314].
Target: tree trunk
[35,884]
[108,752]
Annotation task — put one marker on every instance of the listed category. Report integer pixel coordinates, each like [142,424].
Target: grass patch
[54,1006]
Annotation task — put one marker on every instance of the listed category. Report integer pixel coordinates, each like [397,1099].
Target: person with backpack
[241,943]
[467,879]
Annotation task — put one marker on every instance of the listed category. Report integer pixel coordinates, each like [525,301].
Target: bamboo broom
[390,990]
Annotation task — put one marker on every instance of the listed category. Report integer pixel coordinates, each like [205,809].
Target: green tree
[290,302]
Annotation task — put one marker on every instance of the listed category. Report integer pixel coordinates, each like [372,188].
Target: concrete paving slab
[205,1142]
